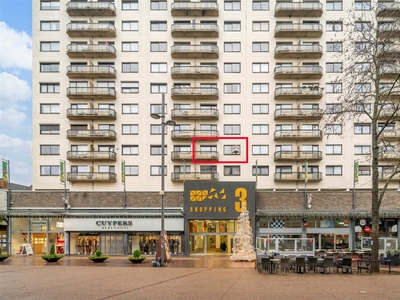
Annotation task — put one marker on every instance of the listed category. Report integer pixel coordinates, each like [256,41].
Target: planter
[3,258]
[137,260]
[98,259]
[394,260]
[52,259]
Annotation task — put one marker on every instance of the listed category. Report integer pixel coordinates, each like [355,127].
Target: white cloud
[13,90]
[17,145]
[12,119]
[15,48]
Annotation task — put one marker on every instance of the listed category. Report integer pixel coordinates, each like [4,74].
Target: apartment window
[362,87]
[362,5]
[232,26]
[50,170]
[232,67]
[50,5]
[334,5]
[157,150]
[362,150]
[130,149]
[130,25]
[157,109]
[362,47]
[364,170]
[158,88]
[362,108]
[260,5]
[333,129]
[49,87]
[158,46]
[130,46]
[232,88]
[362,26]
[231,170]
[49,25]
[334,26]
[130,129]
[158,5]
[260,109]
[131,170]
[157,129]
[260,26]
[49,108]
[49,67]
[158,67]
[49,149]
[260,67]
[362,67]
[130,87]
[232,5]
[260,46]
[232,46]
[130,108]
[231,108]
[260,170]
[260,150]
[130,5]
[158,26]
[50,129]
[231,129]
[130,67]
[362,128]
[333,88]
[333,170]
[333,108]
[260,88]
[334,47]
[231,149]
[49,46]
[334,68]
[260,129]
[157,170]
[333,149]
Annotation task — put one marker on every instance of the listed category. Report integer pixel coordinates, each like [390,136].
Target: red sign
[367,229]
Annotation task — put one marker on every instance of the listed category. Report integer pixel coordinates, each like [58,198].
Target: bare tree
[370,95]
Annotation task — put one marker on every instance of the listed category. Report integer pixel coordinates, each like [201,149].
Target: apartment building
[245,85]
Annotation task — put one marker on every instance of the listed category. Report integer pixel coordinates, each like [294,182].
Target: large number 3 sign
[241,194]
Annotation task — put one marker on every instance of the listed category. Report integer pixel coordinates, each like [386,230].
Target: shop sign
[114,224]
[39,223]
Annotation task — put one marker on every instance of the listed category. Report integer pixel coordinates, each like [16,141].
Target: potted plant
[4,256]
[52,256]
[393,255]
[136,257]
[98,257]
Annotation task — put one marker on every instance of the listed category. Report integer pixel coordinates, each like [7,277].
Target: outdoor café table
[386,261]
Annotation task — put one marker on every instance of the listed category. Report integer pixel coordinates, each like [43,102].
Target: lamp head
[170,123]
[155,116]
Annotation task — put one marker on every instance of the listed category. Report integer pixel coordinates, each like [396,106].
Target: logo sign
[39,223]
[218,200]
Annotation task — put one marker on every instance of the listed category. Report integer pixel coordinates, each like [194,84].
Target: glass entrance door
[112,242]
[211,244]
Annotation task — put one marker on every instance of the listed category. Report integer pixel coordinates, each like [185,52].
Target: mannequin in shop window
[176,244]
[223,247]
[153,246]
[146,247]
[87,246]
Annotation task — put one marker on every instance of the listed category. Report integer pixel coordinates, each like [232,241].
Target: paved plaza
[210,277]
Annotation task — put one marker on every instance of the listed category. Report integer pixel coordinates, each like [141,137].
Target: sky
[16,88]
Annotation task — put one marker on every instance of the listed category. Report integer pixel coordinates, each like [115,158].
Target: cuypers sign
[218,200]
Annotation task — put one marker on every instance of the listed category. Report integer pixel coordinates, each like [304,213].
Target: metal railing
[194,48]
[201,70]
[95,91]
[194,176]
[298,48]
[294,112]
[194,91]
[94,112]
[299,91]
[194,27]
[297,176]
[298,155]
[91,133]
[91,48]
[109,155]
[91,5]
[300,133]
[91,176]
[91,69]
[298,6]
[195,5]
[298,27]
[298,70]
[193,133]
[194,112]
[90,27]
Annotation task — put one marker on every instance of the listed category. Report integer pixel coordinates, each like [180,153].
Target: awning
[324,215]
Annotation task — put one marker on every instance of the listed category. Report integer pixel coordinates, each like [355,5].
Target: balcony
[389,30]
[194,51]
[298,51]
[96,93]
[195,114]
[390,113]
[91,51]
[190,30]
[388,10]
[195,9]
[298,114]
[91,114]
[394,94]
[89,9]
[82,72]
[189,134]
[299,9]
[194,176]
[91,155]
[194,93]
[389,71]
[298,176]
[385,176]
[91,134]
[302,72]
[297,155]
[196,72]
[91,177]
[199,155]
[298,30]
[306,93]
[390,135]
[300,134]
[393,155]
[90,30]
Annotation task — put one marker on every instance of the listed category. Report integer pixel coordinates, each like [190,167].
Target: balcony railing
[298,113]
[185,93]
[89,51]
[195,114]
[297,30]
[91,113]
[194,51]
[298,155]
[303,72]
[298,176]
[91,134]
[77,71]
[393,113]
[390,134]
[389,155]
[195,9]
[90,9]
[91,155]
[299,93]
[90,30]
[388,9]
[195,72]
[386,175]
[91,176]
[298,51]
[98,93]
[194,30]
[394,93]
[194,176]
[300,134]
[298,9]
[390,71]
[391,30]
[188,134]
[199,155]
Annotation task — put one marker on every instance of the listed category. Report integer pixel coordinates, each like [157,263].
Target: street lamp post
[163,124]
